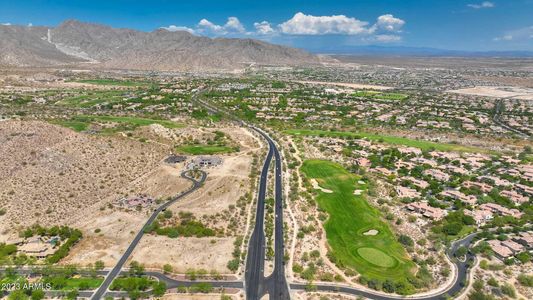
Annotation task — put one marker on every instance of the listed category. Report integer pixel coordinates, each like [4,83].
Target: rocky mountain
[74,42]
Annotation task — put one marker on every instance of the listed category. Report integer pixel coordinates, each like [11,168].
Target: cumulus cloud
[178,28]
[303,24]
[264,28]
[484,4]
[233,25]
[386,28]
[520,34]
[389,23]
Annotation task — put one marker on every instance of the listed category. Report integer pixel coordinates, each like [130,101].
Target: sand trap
[371,232]
[317,187]
[357,192]
[361,182]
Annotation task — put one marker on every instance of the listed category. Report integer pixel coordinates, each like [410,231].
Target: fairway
[389,139]
[377,256]
[204,150]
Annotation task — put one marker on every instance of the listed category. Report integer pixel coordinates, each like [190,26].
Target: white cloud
[385,29]
[303,24]
[264,28]
[520,34]
[233,25]
[179,28]
[208,27]
[5,24]
[484,4]
[389,23]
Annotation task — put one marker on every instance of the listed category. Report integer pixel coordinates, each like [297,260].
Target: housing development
[333,177]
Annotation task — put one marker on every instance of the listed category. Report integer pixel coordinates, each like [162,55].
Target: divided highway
[255,282]
[101,291]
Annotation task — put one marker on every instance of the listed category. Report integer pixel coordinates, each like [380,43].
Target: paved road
[256,284]
[255,260]
[101,291]
[456,287]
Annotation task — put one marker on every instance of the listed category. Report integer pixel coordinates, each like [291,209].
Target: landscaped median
[358,238]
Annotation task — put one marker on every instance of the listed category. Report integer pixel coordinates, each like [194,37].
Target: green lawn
[114,82]
[204,150]
[80,283]
[389,139]
[81,123]
[380,95]
[379,256]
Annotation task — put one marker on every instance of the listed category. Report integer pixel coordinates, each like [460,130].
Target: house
[363,162]
[480,216]
[457,195]
[525,189]
[485,188]
[500,250]
[525,238]
[417,182]
[174,159]
[405,192]
[410,150]
[514,246]
[427,211]
[383,171]
[500,210]
[514,196]
[204,161]
[438,175]
[37,247]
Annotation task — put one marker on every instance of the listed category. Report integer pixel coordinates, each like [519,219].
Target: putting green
[376,257]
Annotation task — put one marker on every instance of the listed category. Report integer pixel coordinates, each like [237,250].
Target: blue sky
[315,25]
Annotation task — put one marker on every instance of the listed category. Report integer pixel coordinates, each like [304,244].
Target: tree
[159,288]
[167,268]
[461,251]
[523,257]
[73,294]
[233,265]
[99,265]
[17,295]
[406,240]
[37,294]
[508,290]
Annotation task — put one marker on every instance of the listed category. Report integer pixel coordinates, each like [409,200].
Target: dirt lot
[54,176]
[225,184]
[184,253]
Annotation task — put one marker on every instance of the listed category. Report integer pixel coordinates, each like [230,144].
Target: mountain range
[75,43]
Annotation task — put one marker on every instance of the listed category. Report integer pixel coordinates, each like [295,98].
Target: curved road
[100,292]
[276,284]
[455,288]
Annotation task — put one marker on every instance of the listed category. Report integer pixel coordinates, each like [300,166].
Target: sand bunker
[371,232]
[361,182]
[318,187]
[357,192]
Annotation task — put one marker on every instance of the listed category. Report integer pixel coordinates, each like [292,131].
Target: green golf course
[388,139]
[378,256]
